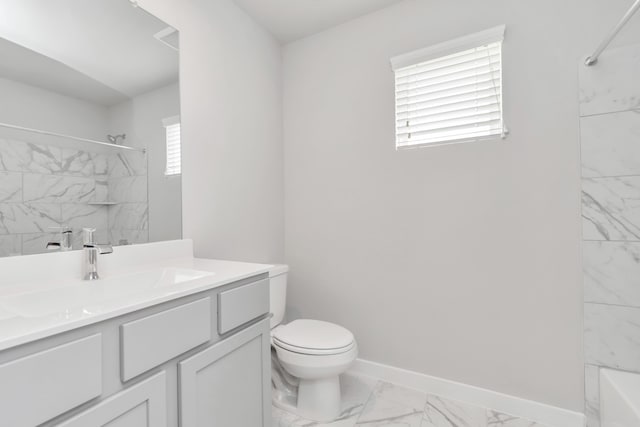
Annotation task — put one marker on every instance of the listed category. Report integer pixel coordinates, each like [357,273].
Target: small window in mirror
[172,130]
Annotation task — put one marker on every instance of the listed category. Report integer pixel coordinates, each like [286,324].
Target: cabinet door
[143,405]
[229,384]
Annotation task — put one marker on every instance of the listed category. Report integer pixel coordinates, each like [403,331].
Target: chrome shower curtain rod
[74,138]
[591,60]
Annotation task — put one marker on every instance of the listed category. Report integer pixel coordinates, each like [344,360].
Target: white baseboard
[530,410]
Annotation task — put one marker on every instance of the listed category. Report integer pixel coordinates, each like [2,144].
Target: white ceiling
[51,44]
[289,20]
[26,66]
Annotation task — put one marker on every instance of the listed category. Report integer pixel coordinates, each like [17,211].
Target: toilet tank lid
[278,269]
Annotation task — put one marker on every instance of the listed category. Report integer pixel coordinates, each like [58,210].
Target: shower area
[49,181]
[610,160]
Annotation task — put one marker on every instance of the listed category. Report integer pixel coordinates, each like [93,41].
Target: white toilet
[308,357]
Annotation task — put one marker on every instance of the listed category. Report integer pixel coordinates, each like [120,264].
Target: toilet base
[319,400]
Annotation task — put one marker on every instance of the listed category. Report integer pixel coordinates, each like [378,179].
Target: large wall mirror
[89,124]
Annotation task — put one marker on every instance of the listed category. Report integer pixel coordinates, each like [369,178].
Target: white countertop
[142,276]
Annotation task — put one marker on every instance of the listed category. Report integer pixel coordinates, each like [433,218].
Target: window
[451,92]
[172,130]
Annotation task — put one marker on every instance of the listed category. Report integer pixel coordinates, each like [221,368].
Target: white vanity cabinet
[144,404]
[168,365]
[44,384]
[226,382]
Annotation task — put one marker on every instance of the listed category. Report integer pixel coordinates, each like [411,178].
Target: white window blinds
[174,152]
[451,92]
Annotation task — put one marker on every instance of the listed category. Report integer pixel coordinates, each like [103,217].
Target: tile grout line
[611,305]
[366,402]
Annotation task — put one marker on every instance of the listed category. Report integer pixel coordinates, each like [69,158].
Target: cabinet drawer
[151,341]
[41,386]
[241,305]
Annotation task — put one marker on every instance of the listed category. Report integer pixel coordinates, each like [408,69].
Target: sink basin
[82,298]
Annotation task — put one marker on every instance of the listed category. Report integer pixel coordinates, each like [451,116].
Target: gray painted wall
[230,82]
[141,119]
[461,261]
[30,106]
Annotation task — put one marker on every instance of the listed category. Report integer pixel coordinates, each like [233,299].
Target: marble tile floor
[368,402]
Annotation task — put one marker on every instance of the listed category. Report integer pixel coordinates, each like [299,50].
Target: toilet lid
[314,335]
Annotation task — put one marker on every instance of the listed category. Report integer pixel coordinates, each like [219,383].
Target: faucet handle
[90,242]
[63,229]
[88,236]
[65,243]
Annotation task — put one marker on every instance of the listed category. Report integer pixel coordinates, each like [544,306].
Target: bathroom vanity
[162,339]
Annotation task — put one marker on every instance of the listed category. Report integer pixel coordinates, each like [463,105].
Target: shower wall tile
[44,186]
[79,216]
[610,144]
[127,237]
[612,272]
[76,163]
[128,189]
[610,131]
[613,84]
[58,189]
[13,155]
[10,187]
[102,190]
[131,216]
[16,218]
[612,336]
[10,245]
[611,208]
[130,163]
[592,395]
[100,164]
[17,156]
[441,412]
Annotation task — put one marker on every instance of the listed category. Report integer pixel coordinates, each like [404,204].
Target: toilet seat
[313,337]
[315,366]
[313,351]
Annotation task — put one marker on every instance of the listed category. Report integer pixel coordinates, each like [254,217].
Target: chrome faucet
[66,239]
[91,252]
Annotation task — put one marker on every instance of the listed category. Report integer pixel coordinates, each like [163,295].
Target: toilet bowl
[309,357]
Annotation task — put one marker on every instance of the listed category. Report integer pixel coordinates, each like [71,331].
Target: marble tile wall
[610,147]
[43,187]
[371,403]
[127,187]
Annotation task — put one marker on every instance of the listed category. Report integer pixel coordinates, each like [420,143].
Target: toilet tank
[278,293]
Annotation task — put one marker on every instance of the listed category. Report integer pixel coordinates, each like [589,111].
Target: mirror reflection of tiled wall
[45,186]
